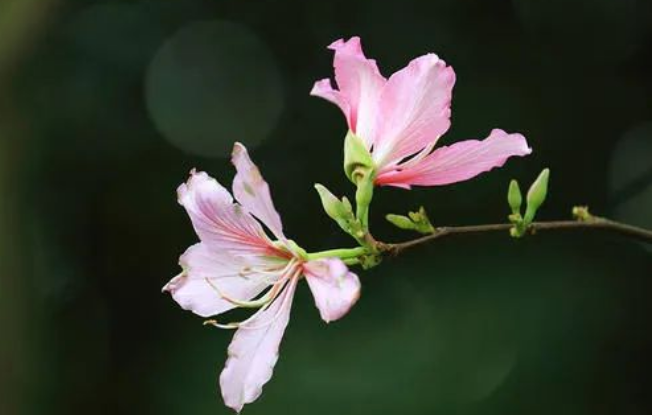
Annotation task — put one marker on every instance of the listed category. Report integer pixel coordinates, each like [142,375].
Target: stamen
[214,323]
[241,303]
[273,270]
[278,313]
[235,325]
[273,292]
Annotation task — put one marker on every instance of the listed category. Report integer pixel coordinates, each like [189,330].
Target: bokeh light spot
[213,83]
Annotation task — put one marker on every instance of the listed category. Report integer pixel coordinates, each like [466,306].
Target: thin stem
[362,213]
[363,195]
[345,253]
[593,222]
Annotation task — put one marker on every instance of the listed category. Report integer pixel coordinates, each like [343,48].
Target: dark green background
[105,107]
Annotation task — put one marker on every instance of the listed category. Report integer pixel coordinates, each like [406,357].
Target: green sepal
[358,162]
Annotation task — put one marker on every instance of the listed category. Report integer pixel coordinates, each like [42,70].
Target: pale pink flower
[236,264]
[401,118]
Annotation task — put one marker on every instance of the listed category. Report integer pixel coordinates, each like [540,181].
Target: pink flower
[236,264]
[401,118]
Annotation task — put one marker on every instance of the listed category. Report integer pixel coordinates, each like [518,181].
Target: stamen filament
[273,294]
[241,303]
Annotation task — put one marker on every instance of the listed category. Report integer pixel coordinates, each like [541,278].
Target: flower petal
[218,221]
[359,82]
[414,109]
[335,289]
[252,191]
[460,161]
[324,89]
[254,352]
[206,272]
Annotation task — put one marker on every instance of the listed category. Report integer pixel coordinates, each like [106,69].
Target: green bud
[582,214]
[514,197]
[400,221]
[421,220]
[415,221]
[339,210]
[357,159]
[536,195]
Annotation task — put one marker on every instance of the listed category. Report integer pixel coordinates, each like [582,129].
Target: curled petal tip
[238,148]
[352,44]
[173,284]
[320,87]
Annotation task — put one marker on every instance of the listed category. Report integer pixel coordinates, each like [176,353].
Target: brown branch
[594,222]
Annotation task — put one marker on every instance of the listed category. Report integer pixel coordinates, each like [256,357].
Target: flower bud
[339,210]
[581,213]
[415,221]
[536,195]
[400,221]
[514,197]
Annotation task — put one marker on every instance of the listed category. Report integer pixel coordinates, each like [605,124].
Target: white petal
[254,352]
[334,288]
[206,270]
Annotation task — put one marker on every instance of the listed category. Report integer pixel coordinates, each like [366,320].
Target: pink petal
[251,190]
[194,290]
[254,352]
[218,221]
[414,109]
[335,289]
[360,84]
[460,161]
[324,89]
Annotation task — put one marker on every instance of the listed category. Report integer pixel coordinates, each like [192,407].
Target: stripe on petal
[206,270]
[458,162]
[414,109]
[218,221]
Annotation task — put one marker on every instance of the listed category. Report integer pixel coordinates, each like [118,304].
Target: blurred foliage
[95,136]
